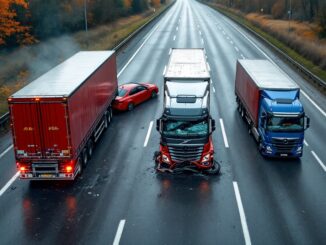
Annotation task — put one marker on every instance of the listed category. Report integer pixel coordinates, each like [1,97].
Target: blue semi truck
[268,100]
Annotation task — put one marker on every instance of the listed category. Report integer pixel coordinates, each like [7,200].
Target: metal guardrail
[4,118]
[294,63]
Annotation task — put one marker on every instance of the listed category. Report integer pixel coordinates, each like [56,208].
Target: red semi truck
[57,119]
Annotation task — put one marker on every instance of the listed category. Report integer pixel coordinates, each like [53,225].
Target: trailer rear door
[26,129]
[54,129]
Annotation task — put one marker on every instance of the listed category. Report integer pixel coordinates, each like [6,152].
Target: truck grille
[285,145]
[186,153]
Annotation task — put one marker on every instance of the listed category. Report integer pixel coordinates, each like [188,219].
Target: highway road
[120,199]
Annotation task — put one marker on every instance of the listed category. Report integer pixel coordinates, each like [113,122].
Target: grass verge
[283,47]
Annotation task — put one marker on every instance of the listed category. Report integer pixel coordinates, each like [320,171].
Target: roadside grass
[271,37]
[19,67]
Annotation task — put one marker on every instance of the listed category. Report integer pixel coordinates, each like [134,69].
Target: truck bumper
[271,151]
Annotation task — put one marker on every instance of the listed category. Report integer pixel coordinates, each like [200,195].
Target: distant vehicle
[57,119]
[186,125]
[269,102]
[131,94]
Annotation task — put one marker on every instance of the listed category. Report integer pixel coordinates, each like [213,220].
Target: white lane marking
[223,32]
[174,37]
[202,41]
[242,214]
[225,139]
[314,103]
[12,180]
[231,41]
[148,133]
[305,142]
[227,38]
[137,51]
[213,89]
[170,51]
[236,49]
[199,32]
[211,82]
[164,70]
[270,59]
[318,160]
[242,56]
[119,232]
[177,28]
[6,150]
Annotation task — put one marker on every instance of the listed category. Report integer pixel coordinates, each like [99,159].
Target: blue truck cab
[282,122]
[269,101]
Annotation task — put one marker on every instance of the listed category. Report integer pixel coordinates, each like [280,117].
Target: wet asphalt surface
[284,201]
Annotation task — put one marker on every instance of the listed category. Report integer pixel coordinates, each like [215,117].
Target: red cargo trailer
[57,118]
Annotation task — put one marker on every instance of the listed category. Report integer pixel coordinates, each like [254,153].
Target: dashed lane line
[148,133]
[12,180]
[319,161]
[119,232]
[243,220]
[6,150]
[225,139]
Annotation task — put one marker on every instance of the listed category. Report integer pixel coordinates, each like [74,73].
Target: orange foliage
[8,25]
[156,3]
[127,3]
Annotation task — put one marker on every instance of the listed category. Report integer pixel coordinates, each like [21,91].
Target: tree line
[27,21]
[303,10]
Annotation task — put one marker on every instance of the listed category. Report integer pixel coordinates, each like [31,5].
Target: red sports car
[132,94]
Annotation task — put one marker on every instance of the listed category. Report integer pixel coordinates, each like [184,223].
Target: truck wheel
[84,157]
[90,147]
[242,112]
[80,166]
[106,123]
[130,106]
[215,170]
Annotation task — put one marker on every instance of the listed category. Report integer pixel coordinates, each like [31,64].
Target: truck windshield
[185,128]
[285,124]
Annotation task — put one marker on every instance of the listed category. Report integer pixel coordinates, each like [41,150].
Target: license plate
[284,155]
[46,175]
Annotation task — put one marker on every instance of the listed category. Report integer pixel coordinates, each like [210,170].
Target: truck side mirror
[307,122]
[158,125]
[213,125]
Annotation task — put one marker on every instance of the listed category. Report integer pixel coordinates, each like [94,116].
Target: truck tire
[90,148]
[215,170]
[130,106]
[109,115]
[84,157]
[80,166]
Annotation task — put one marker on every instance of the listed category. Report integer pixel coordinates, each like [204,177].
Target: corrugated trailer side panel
[248,92]
[88,103]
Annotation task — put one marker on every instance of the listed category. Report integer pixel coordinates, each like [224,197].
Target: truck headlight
[268,148]
[299,149]
[206,158]
[165,158]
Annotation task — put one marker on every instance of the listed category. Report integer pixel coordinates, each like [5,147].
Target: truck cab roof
[282,102]
[186,99]
[187,63]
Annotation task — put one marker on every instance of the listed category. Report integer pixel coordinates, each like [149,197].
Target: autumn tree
[9,25]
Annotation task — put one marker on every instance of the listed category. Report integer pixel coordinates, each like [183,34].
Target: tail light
[68,169]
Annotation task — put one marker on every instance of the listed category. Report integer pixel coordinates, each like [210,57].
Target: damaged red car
[132,94]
